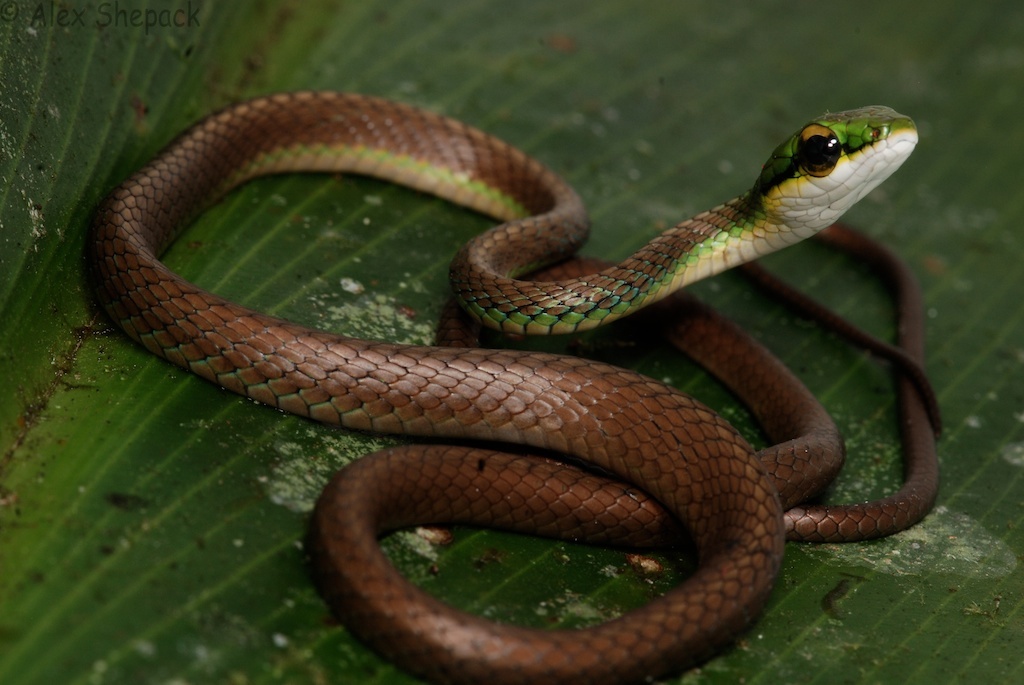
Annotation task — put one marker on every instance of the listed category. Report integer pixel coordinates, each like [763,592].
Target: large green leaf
[150,523]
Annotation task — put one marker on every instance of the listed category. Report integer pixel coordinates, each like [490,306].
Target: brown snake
[643,432]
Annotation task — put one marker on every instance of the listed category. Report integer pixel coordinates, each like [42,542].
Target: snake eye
[818,150]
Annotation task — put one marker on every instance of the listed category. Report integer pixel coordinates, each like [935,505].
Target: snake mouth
[871,165]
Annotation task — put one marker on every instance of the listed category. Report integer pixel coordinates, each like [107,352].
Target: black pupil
[821,152]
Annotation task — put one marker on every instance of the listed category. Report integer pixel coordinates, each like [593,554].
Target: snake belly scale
[648,434]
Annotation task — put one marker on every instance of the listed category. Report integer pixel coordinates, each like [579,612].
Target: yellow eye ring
[818,150]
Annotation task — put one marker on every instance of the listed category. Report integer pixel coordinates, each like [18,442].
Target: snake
[667,451]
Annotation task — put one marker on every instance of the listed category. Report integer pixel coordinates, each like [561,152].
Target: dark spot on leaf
[490,556]
[126,502]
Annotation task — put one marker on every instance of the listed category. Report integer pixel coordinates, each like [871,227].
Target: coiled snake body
[647,434]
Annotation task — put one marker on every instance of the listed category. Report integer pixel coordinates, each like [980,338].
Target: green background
[150,523]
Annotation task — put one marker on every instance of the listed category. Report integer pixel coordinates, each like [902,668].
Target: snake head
[832,162]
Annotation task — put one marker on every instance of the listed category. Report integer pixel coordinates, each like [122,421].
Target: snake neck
[711,242]
[733,233]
